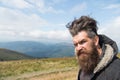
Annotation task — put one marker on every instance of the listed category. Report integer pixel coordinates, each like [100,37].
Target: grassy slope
[65,75]
[6,54]
[40,69]
[37,66]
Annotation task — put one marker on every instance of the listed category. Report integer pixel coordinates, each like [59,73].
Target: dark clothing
[110,72]
[105,40]
[109,66]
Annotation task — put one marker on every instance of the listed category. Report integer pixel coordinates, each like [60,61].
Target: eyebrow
[80,42]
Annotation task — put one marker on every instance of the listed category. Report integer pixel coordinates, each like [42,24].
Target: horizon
[49,43]
[43,20]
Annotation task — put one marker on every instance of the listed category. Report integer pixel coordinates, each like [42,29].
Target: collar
[107,58]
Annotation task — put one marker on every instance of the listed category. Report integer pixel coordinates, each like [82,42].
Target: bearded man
[96,54]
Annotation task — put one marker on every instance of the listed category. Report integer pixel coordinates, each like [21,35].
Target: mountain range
[39,49]
[6,55]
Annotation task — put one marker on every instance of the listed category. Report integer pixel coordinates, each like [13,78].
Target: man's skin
[83,42]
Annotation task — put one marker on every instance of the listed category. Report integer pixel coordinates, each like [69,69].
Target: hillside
[6,54]
[39,49]
[39,69]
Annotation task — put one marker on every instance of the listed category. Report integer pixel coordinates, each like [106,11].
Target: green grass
[60,68]
[13,68]
[7,55]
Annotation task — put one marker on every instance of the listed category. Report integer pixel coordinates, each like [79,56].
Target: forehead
[80,36]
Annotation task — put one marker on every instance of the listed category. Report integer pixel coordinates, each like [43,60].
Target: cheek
[88,47]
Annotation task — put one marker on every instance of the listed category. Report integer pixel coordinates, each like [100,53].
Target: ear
[96,40]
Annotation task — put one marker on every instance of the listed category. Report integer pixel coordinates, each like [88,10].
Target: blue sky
[41,20]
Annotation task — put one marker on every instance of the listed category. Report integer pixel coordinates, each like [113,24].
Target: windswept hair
[85,23]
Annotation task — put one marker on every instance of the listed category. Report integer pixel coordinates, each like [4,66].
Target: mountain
[40,50]
[6,54]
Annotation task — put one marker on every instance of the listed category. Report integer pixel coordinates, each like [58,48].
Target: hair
[84,23]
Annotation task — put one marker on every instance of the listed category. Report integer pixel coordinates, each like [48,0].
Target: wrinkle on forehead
[81,35]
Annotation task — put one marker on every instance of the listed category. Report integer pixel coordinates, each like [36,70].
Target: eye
[82,42]
[75,44]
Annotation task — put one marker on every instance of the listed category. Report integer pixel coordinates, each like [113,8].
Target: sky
[45,20]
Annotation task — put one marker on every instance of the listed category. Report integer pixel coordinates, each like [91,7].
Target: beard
[88,60]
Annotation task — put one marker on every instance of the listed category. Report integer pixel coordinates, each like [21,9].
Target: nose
[78,47]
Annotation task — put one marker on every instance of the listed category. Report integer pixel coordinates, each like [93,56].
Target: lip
[80,53]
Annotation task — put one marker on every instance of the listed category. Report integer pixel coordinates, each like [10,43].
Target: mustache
[78,53]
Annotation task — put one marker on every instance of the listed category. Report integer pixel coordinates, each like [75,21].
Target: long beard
[88,60]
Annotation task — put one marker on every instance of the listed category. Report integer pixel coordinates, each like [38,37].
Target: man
[96,54]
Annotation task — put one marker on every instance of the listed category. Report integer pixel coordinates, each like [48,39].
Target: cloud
[17,20]
[44,7]
[50,35]
[38,5]
[16,4]
[113,6]
[112,29]
[57,1]
[7,33]
[37,35]
[51,10]
[17,25]
[78,7]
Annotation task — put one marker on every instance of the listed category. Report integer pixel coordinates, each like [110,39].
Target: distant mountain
[6,54]
[40,50]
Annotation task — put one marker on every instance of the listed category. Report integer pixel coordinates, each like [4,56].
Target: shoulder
[114,67]
[115,63]
[112,71]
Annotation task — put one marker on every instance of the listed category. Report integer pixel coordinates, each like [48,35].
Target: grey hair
[83,23]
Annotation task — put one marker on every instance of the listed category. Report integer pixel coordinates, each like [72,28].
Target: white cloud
[39,35]
[57,1]
[50,35]
[113,6]
[42,7]
[38,5]
[112,29]
[51,10]
[16,25]
[36,35]
[79,7]
[16,3]
[16,20]
[7,33]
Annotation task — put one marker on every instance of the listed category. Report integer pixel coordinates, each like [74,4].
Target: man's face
[86,51]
